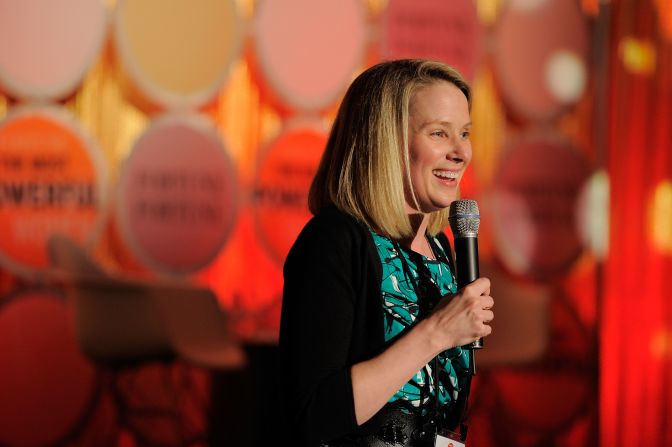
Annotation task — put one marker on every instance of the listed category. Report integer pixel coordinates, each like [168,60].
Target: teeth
[445,174]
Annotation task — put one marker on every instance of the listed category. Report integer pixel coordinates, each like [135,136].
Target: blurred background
[155,158]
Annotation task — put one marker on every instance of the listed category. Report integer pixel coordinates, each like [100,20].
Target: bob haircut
[365,165]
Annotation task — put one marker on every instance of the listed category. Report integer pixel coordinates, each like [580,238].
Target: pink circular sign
[448,31]
[541,49]
[46,386]
[46,47]
[307,51]
[177,195]
[535,192]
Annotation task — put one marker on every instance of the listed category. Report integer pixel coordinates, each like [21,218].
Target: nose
[459,151]
[456,157]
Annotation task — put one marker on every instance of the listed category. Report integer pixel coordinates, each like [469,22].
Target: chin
[439,206]
[445,203]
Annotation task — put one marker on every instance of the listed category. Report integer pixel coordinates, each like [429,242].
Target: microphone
[464,220]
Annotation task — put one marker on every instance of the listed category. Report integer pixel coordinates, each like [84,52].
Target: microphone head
[464,218]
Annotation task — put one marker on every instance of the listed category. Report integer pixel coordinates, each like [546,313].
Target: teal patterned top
[402,308]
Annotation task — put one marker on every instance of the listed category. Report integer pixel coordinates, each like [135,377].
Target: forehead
[440,100]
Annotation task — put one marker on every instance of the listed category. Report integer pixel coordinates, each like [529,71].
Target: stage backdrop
[175,143]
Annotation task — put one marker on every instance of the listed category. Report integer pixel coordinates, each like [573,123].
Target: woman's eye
[439,133]
[465,135]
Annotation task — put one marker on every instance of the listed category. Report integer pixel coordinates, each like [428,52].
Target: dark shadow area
[245,408]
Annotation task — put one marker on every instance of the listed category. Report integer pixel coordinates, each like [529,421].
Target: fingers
[477,294]
[483,329]
[487,330]
[464,318]
[479,287]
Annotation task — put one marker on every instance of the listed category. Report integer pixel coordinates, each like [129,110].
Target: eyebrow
[442,123]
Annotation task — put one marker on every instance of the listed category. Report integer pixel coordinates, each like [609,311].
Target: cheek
[418,169]
[417,178]
[415,162]
[468,155]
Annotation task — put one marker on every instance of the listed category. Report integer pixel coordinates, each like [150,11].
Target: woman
[371,317]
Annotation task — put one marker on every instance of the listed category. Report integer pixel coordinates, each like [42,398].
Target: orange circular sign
[281,188]
[52,181]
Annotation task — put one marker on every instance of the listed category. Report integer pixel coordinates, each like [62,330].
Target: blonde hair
[365,164]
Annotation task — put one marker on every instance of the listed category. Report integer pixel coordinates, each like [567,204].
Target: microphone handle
[466,258]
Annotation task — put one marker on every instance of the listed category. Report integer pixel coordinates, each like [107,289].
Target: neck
[418,240]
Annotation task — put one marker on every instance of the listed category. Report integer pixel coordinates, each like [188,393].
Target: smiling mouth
[446,175]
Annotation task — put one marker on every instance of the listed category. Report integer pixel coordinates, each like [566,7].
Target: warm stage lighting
[593,214]
[639,56]
[660,217]
[661,344]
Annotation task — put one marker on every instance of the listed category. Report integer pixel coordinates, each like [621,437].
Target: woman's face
[439,146]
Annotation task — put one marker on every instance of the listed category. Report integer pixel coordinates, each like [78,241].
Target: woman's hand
[462,318]
[456,320]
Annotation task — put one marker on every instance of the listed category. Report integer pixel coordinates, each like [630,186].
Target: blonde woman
[372,324]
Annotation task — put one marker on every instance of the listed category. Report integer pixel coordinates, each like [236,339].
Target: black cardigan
[332,318]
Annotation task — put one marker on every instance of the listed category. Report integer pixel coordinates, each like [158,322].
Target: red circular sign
[545,400]
[177,195]
[46,386]
[281,188]
[535,191]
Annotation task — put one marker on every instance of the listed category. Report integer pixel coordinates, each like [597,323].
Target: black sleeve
[316,329]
